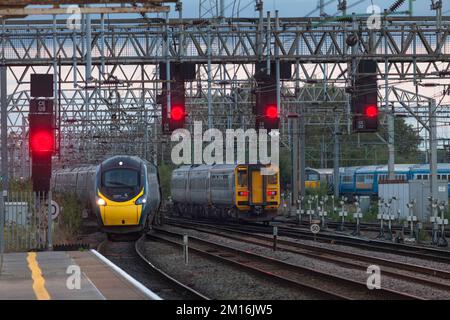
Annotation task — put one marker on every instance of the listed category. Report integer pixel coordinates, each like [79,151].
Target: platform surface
[54,276]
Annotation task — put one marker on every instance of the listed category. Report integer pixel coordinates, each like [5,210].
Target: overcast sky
[300,8]
[286,8]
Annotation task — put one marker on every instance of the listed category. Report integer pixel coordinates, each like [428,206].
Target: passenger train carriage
[364,180]
[224,190]
[122,192]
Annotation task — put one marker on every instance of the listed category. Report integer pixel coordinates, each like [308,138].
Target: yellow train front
[127,194]
[122,192]
[238,191]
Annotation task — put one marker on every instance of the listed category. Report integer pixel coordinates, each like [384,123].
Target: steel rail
[419,252]
[195,294]
[330,255]
[191,293]
[283,271]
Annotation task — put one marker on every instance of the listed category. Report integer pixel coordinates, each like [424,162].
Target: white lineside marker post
[411,217]
[49,222]
[185,249]
[275,234]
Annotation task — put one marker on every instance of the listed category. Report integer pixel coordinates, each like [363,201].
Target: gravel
[216,280]
[332,268]
[124,256]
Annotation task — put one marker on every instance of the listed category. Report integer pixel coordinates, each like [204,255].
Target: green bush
[165,175]
[371,215]
[424,236]
[20,185]
[70,218]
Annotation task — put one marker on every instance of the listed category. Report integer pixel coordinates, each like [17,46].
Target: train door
[257,187]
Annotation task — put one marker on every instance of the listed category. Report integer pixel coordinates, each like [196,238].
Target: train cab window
[242,178]
[272,179]
[312,177]
[117,178]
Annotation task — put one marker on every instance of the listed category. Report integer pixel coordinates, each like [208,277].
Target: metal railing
[25,225]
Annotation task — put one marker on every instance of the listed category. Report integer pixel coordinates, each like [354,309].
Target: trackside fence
[26,216]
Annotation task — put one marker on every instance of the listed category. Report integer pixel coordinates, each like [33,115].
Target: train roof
[367,169]
[202,167]
[424,167]
[75,170]
[398,167]
[326,170]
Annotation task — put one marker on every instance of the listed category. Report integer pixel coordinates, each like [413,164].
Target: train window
[439,177]
[273,179]
[448,178]
[312,177]
[121,178]
[219,181]
[425,177]
[347,179]
[242,178]
[360,178]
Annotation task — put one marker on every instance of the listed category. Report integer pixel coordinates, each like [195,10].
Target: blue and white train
[364,180]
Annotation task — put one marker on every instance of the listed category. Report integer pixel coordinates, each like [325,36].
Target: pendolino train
[364,180]
[236,191]
[122,192]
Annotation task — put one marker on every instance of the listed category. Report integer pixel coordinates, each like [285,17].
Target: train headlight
[101,202]
[243,193]
[141,200]
[271,193]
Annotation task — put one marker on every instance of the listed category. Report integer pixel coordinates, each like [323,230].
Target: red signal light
[371,111]
[177,113]
[41,141]
[272,112]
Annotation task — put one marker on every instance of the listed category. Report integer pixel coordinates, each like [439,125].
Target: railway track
[365,226]
[411,251]
[326,285]
[130,257]
[434,278]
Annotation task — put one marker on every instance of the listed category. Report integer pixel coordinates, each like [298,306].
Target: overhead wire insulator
[395,5]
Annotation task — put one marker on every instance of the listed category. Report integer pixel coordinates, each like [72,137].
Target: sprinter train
[123,192]
[238,191]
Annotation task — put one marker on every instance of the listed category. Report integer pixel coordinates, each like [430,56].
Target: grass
[371,214]
[424,236]
[69,222]
[22,238]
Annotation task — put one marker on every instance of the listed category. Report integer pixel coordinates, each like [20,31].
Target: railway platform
[67,275]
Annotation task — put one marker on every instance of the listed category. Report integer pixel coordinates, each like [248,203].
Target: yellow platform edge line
[38,280]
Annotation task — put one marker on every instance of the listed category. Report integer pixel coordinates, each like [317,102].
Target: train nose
[121,215]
